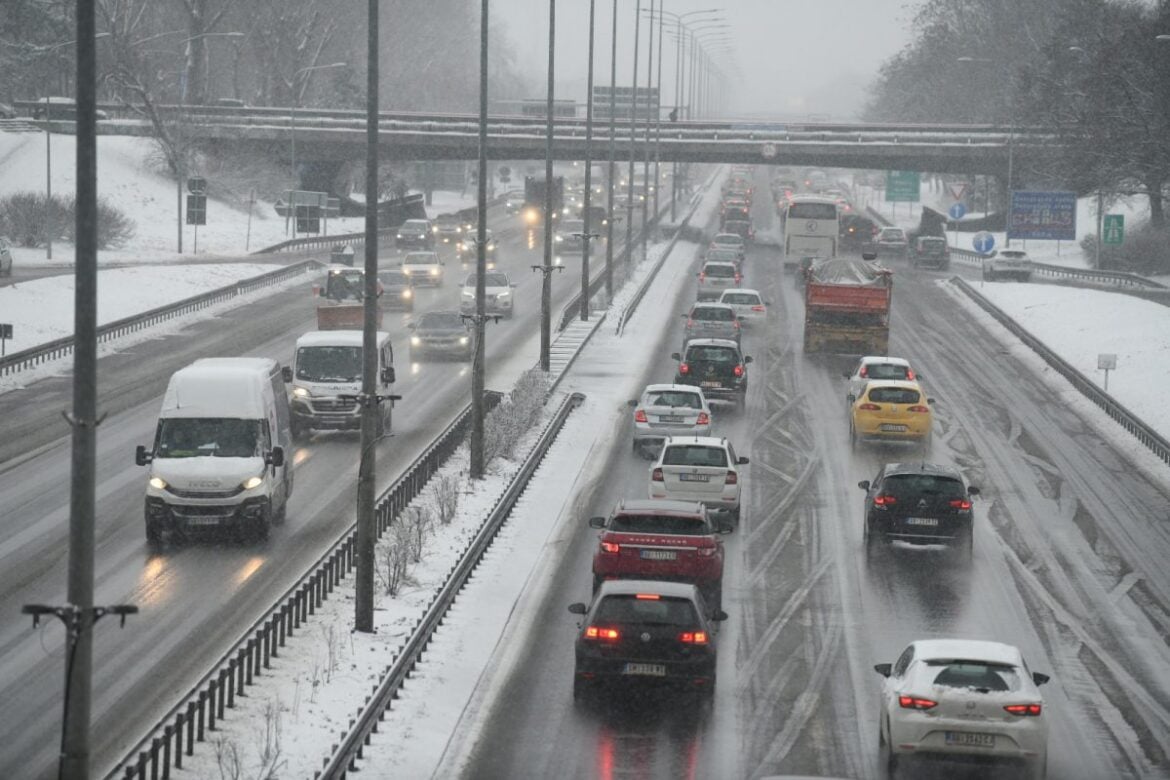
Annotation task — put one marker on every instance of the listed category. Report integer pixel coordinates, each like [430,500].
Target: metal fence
[63,347]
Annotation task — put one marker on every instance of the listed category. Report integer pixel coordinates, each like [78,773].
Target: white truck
[326,378]
[218,458]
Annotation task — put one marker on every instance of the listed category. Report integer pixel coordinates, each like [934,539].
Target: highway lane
[197,598]
[1068,544]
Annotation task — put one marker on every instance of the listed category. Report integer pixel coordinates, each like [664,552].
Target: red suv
[657,539]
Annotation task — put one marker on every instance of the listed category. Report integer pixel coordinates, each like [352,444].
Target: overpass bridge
[325,136]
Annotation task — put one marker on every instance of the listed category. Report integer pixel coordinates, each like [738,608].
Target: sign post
[5,334]
[1106,362]
[956,212]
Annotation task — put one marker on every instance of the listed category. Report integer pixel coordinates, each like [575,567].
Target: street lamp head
[1162,38]
[974,59]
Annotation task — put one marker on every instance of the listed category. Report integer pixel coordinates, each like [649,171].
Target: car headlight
[435,229]
[408,294]
[158,483]
[301,392]
[252,482]
[504,294]
[469,294]
[415,341]
[398,235]
[558,239]
[434,272]
[462,339]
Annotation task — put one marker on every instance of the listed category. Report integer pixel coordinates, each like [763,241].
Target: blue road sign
[1043,215]
[983,242]
[957,211]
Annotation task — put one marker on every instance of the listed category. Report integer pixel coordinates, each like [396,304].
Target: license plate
[651,670]
[659,555]
[968,739]
[694,477]
[670,418]
[202,521]
[931,521]
[711,384]
[892,427]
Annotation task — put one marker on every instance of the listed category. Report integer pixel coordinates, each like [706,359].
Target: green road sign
[1113,228]
[902,186]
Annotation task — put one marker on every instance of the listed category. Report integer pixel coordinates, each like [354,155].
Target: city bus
[810,228]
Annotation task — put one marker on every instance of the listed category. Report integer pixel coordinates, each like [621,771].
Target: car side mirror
[972,490]
[719,616]
[388,376]
[724,526]
[675,356]
[632,403]
[929,400]
[863,484]
[883,669]
[747,360]
[286,373]
[869,255]
[577,609]
[1040,678]
[847,375]
[597,522]
[275,457]
[684,315]
[141,456]
[742,461]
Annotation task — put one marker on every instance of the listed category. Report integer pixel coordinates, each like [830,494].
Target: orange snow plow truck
[342,296]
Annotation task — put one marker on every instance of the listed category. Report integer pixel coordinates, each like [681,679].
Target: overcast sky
[796,57]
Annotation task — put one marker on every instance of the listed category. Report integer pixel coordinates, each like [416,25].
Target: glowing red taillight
[910,374]
[640,416]
[683,368]
[884,500]
[915,703]
[739,370]
[604,634]
[693,637]
[736,324]
[1029,710]
[702,276]
[738,278]
[868,407]
[960,503]
[656,475]
[864,372]
[612,548]
[703,419]
[757,308]
[919,408]
[731,479]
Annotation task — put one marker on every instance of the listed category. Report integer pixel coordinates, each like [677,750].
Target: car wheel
[853,438]
[597,580]
[965,544]
[714,597]
[1040,768]
[153,535]
[873,542]
[580,688]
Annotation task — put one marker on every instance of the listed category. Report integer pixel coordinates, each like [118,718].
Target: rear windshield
[742,298]
[694,455]
[631,609]
[659,524]
[886,371]
[923,485]
[813,211]
[711,354]
[724,255]
[894,395]
[889,233]
[712,314]
[721,271]
[675,399]
[978,675]
[730,239]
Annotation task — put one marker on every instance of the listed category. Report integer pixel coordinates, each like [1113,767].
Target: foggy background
[794,57]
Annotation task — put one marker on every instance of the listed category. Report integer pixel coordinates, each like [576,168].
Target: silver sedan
[666,410]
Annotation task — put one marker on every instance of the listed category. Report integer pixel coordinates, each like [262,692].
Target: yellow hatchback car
[891,410]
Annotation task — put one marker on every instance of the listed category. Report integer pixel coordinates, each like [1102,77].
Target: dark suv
[415,234]
[658,539]
[930,252]
[716,365]
[919,503]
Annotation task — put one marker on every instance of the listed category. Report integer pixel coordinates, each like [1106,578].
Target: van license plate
[651,670]
[968,739]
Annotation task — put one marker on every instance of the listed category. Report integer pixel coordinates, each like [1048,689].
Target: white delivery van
[326,378]
[218,458]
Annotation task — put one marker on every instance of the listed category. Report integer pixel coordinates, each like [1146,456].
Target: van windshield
[329,364]
[180,437]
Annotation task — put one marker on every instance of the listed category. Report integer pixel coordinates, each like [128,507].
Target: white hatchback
[699,468]
[749,305]
[875,367]
[962,698]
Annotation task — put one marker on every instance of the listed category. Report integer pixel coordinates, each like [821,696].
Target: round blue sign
[983,242]
[957,211]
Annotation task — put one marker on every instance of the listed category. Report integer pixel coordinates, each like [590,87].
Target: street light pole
[612,155]
[633,138]
[546,269]
[480,350]
[646,144]
[658,118]
[586,227]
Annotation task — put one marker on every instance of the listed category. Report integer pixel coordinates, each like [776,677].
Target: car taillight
[705,552]
[647,597]
[693,637]
[960,503]
[640,416]
[690,323]
[864,372]
[738,278]
[884,500]
[867,407]
[1029,710]
[703,419]
[732,478]
[739,371]
[910,374]
[656,475]
[683,368]
[757,308]
[918,408]
[736,324]
[702,276]
[613,548]
[915,703]
[604,634]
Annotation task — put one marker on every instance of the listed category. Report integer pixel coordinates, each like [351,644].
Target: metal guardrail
[1125,418]
[201,707]
[59,348]
[349,751]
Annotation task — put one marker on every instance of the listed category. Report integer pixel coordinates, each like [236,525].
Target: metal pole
[293,134]
[658,118]
[477,360]
[1100,238]
[678,73]
[586,227]
[1007,236]
[646,145]
[48,190]
[79,664]
[633,137]
[364,584]
[612,156]
[546,280]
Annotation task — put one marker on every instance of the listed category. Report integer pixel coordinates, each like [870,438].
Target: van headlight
[300,392]
[407,294]
[558,238]
[158,483]
[462,339]
[252,482]
[398,235]
[434,272]
[415,341]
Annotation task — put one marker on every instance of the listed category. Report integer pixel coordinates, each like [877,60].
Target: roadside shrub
[30,219]
[515,415]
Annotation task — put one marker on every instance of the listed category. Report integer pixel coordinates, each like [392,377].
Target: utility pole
[477,361]
[646,144]
[366,532]
[546,269]
[658,116]
[586,234]
[633,137]
[612,156]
